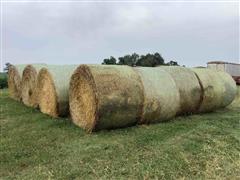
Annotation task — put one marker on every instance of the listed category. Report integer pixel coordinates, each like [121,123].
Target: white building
[232,68]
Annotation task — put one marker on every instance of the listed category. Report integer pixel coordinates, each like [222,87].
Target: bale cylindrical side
[161,96]
[230,90]
[105,97]
[218,89]
[14,81]
[53,86]
[188,86]
[29,84]
[236,101]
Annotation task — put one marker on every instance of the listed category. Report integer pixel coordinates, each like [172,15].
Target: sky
[191,33]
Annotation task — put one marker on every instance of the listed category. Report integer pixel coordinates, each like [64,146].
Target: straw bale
[219,89]
[53,87]
[105,97]
[188,86]
[236,101]
[14,81]
[161,96]
[29,84]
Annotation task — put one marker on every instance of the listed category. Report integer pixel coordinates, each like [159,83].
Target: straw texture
[14,81]
[161,97]
[105,97]
[53,87]
[219,89]
[188,87]
[236,101]
[230,88]
[29,84]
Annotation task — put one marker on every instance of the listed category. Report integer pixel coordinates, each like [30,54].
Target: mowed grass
[36,146]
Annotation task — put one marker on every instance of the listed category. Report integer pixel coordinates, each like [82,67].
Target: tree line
[148,60]
[3,76]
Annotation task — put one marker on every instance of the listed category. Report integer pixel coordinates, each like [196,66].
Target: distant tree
[150,60]
[172,63]
[146,60]
[7,65]
[135,58]
[158,59]
[111,60]
[3,80]
[129,60]
[125,60]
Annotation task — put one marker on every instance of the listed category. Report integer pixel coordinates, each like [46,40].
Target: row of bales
[113,96]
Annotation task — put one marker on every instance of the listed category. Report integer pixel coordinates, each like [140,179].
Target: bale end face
[14,83]
[47,96]
[29,86]
[82,99]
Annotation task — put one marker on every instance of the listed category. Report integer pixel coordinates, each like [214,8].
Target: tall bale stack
[161,96]
[14,81]
[29,84]
[219,89]
[53,86]
[188,86]
[105,96]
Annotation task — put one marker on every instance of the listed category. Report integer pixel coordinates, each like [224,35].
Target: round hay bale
[236,101]
[230,90]
[14,81]
[53,87]
[188,86]
[219,89]
[161,97]
[29,84]
[105,97]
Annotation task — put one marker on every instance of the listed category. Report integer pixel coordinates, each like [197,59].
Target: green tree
[7,65]
[135,58]
[158,59]
[3,80]
[111,60]
[129,60]
[172,63]
[150,60]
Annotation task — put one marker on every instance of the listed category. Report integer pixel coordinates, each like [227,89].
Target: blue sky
[85,33]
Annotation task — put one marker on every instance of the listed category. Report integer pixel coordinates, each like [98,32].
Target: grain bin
[219,89]
[105,97]
[188,86]
[29,84]
[53,86]
[14,81]
[161,96]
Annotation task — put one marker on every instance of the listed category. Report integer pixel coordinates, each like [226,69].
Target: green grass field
[35,146]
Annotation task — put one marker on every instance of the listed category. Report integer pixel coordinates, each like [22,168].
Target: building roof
[221,62]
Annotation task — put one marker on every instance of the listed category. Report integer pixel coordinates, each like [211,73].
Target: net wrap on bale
[29,84]
[188,86]
[236,101]
[53,87]
[105,96]
[218,88]
[230,88]
[161,97]
[15,81]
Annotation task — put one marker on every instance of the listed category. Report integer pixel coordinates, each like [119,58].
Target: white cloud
[191,33]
